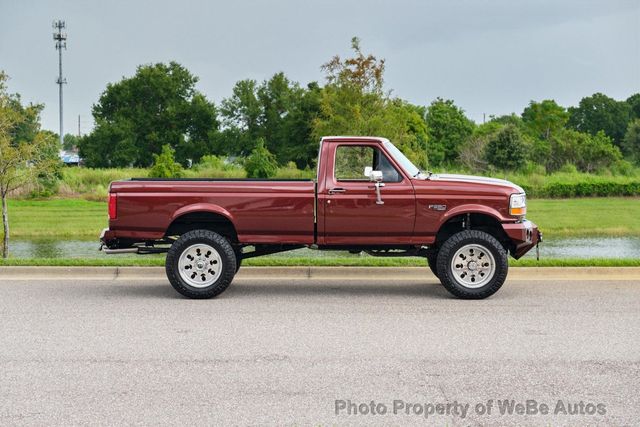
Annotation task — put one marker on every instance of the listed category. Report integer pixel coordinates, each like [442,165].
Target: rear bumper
[524,236]
[107,235]
[108,239]
[110,243]
[123,239]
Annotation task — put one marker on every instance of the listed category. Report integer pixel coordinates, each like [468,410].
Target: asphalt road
[284,351]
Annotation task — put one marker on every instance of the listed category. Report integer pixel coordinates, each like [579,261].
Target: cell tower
[61,43]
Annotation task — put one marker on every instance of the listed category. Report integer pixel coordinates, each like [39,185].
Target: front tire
[201,264]
[472,264]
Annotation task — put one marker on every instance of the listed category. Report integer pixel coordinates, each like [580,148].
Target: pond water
[619,247]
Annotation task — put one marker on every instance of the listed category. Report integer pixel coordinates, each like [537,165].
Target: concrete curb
[354,273]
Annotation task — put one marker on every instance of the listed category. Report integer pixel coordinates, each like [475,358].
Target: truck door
[352,213]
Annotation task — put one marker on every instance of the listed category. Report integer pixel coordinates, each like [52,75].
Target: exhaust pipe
[120,251]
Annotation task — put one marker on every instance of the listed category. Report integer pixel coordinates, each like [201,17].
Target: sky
[490,57]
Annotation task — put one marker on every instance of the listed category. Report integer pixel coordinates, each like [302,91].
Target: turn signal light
[113,205]
[518,211]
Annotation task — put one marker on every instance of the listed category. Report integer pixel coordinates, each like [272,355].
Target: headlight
[518,204]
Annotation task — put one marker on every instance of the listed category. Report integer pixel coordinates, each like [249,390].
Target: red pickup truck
[367,197]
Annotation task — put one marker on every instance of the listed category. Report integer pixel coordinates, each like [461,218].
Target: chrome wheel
[200,265]
[473,266]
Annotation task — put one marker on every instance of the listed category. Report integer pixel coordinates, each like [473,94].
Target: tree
[631,143]
[165,165]
[25,130]
[70,141]
[634,104]
[507,149]
[542,119]
[472,152]
[298,141]
[276,97]
[242,116]
[597,113]
[353,103]
[595,152]
[507,119]
[261,163]
[24,150]
[277,110]
[363,73]
[288,111]
[587,152]
[448,129]
[137,116]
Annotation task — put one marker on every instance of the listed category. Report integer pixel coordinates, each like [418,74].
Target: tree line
[282,120]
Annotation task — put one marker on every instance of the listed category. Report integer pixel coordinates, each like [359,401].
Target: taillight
[113,205]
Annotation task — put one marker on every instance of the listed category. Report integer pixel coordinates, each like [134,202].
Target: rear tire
[201,264]
[472,264]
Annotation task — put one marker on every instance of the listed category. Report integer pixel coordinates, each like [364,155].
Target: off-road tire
[458,241]
[227,256]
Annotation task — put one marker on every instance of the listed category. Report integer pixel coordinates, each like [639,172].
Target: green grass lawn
[63,218]
[588,217]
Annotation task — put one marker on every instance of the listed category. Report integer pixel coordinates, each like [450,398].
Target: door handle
[337,190]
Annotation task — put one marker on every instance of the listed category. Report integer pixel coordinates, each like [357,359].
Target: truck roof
[355,138]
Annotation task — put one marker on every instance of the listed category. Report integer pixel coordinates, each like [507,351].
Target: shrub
[589,189]
[216,167]
[568,168]
[291,171]
[211,162]
[261,163]
[622,167]
[165,165]
[532,168]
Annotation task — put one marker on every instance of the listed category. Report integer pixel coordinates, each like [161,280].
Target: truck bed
[263,211]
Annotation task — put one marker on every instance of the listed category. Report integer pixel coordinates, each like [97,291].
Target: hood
[475,180]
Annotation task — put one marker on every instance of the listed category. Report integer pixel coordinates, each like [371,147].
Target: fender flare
[471,209]
[202,207]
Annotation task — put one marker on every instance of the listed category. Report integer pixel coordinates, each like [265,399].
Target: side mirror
[367,171]
[375,176]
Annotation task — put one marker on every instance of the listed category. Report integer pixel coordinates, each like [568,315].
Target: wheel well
[203,220]
[477,221]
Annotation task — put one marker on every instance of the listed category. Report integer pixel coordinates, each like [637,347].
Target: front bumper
[523,235]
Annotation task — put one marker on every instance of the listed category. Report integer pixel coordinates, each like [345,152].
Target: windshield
[406,164]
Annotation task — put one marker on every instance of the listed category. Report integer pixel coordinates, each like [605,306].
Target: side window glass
[351,161]
[389,172]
